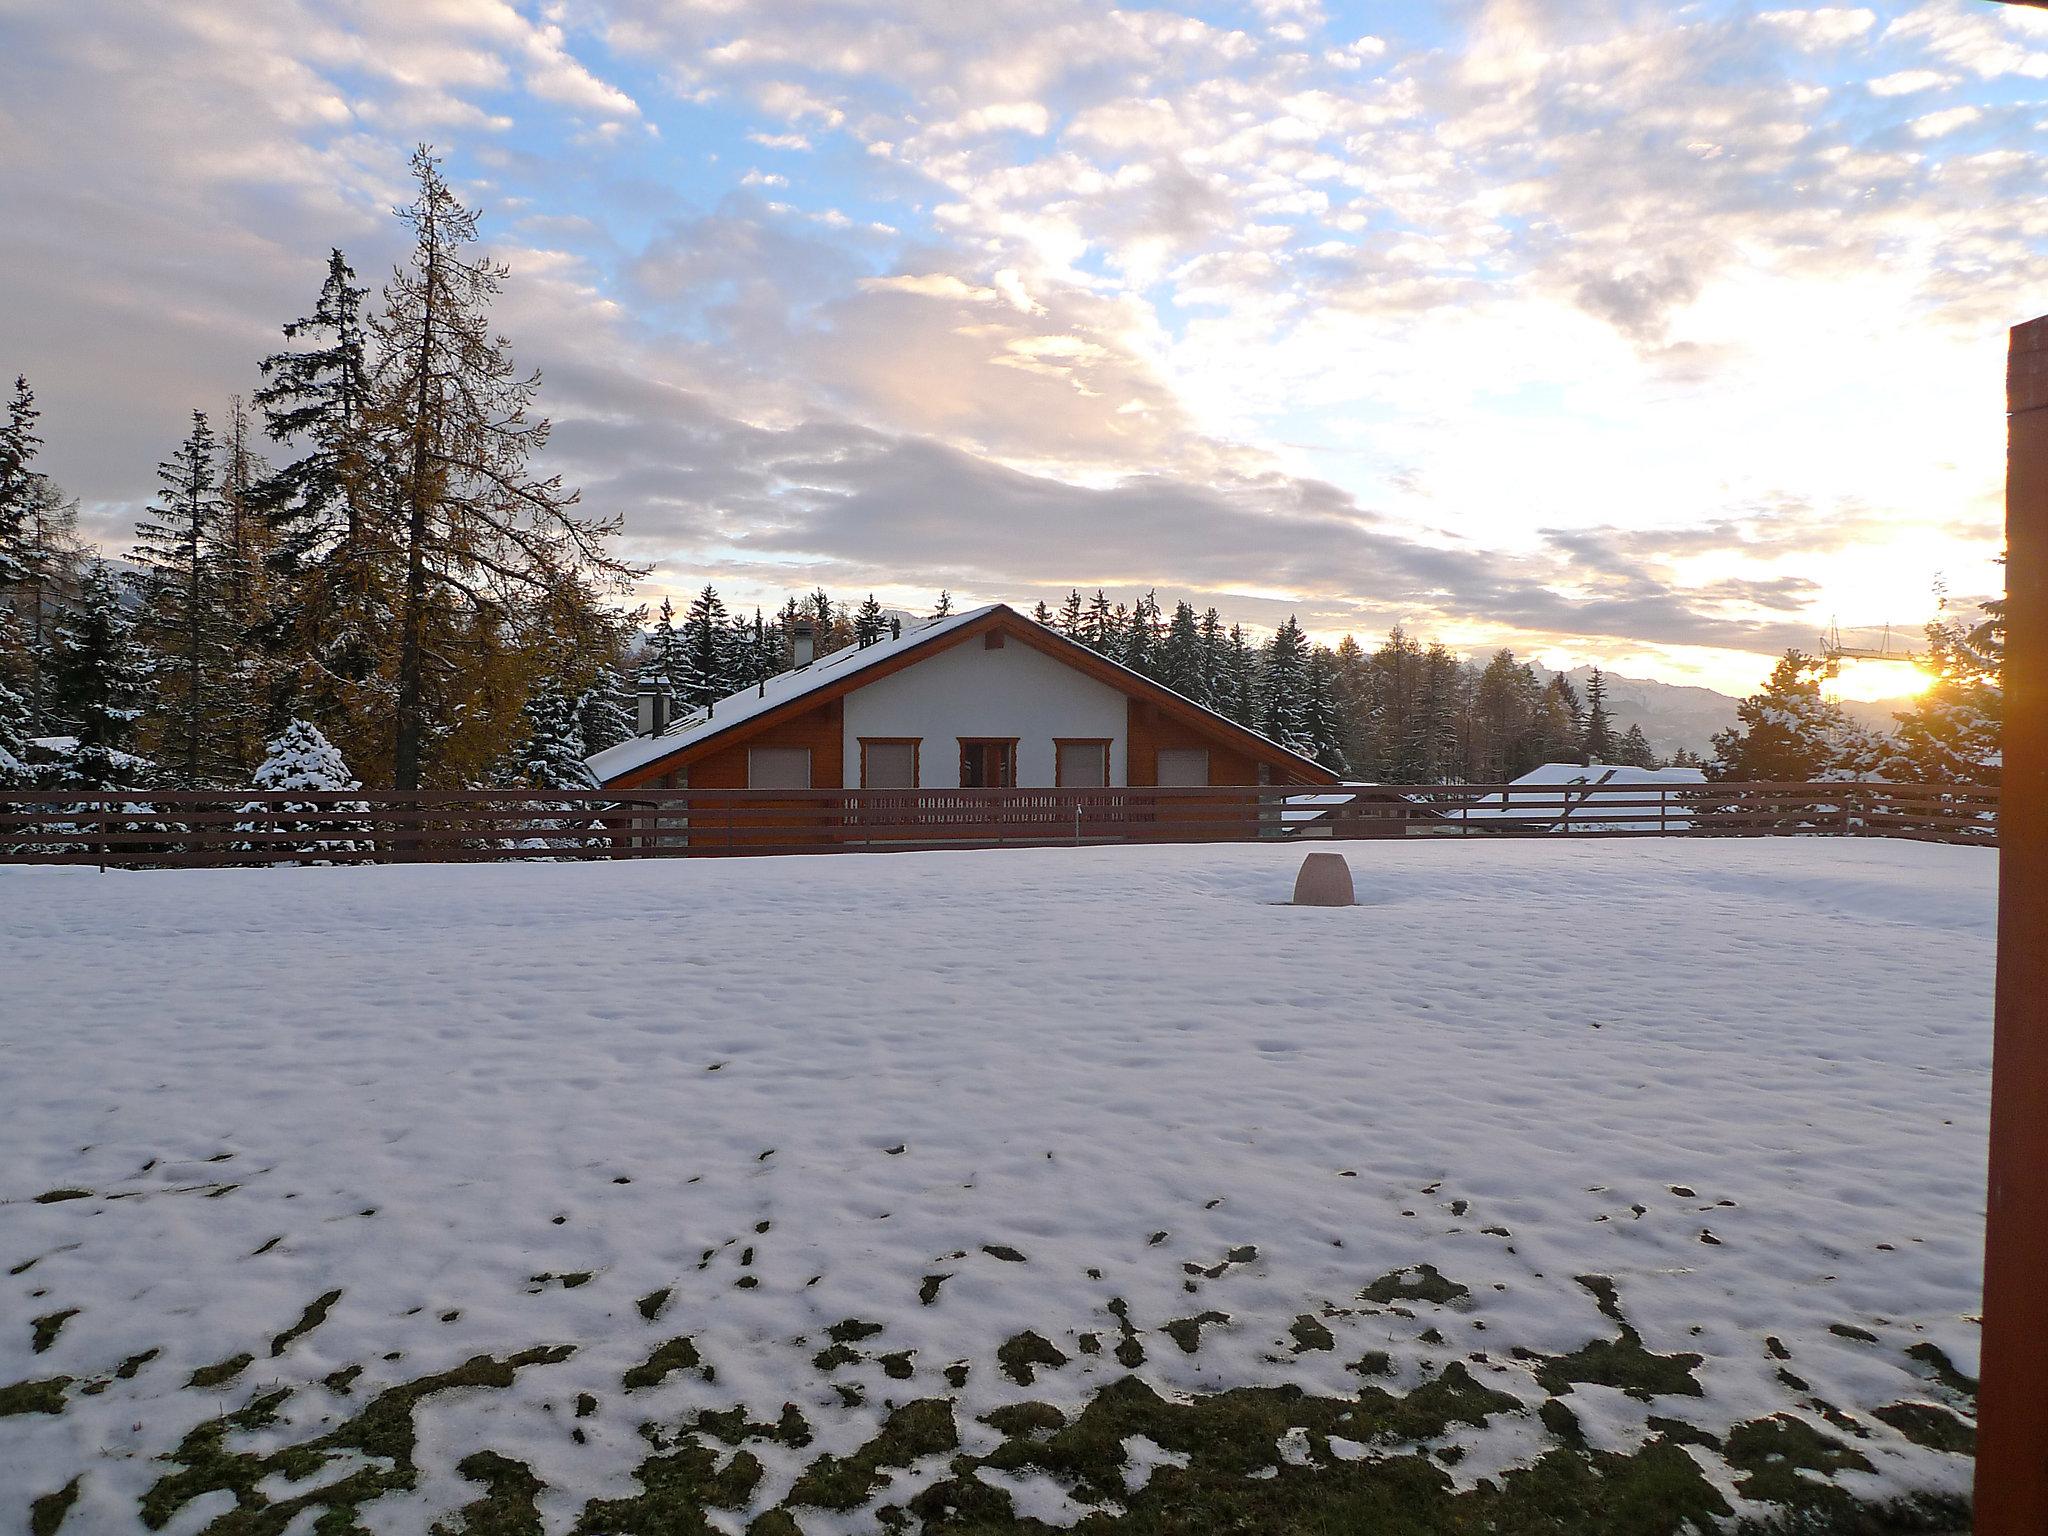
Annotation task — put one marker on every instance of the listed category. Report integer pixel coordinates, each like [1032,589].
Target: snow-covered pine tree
[1238,683]
[1215,649]
[1142,636]
[99,678]
[1951,733]
[550,753]
[550,757]
[663,671]
[1598,745]
[604,712]
[183,623]
[15,730]
[870,624]
[1180,655]
[19,483]
[707,649]
[1283,687]
[299,759]
[1789,731]
[1321,729]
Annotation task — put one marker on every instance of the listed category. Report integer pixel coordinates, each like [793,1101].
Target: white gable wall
[969,690]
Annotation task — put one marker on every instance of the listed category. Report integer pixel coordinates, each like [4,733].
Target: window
[1183,767]
[778,767]
[988,762]
[1080,764]
[888,762]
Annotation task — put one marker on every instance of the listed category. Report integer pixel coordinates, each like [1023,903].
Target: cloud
[1827,26]
[1934,124]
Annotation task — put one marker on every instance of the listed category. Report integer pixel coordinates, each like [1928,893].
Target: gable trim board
[1158,717]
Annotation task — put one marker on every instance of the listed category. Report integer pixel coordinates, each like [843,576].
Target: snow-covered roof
[739,707]
[1567,776]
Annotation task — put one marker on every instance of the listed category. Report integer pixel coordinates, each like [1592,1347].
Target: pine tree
[1180,655]
[1788,731]
[1634,749]
[1215,654]
[550,752]
[1098,625]
[1321,730]
[665,667]
[298,759]
[943,606]
[1042,615]
[1563,721]
[1505,739]
[331,623]
[1239,680]
[1598,744]
[604,712]
[478,538]
[99,678]
[254,690]
[15,730]
[707,650]
[1142,637]
[1951,733]
[870,624]
[19,483]
[1353,697]
[183,622]
[1070,622]
[1283,688]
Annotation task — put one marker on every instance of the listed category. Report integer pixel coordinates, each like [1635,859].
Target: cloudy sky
[1652,334]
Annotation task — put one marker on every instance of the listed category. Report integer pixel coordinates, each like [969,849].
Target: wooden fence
[165,830]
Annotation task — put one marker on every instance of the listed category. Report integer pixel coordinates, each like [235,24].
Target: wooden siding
[818,729]
[1151,728]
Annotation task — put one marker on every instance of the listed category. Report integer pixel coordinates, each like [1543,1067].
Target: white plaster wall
[969,690]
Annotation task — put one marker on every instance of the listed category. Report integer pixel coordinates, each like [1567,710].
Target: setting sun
[1867,680]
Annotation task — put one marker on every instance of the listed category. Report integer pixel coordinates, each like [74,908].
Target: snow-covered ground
[1082,1094]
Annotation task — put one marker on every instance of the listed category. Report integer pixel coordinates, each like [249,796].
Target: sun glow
[1868,680]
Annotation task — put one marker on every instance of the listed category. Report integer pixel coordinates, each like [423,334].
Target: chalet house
[985,699]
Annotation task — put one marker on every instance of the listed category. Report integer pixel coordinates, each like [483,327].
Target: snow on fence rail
[134,829]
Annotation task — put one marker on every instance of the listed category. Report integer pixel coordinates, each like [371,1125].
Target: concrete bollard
[1324,881]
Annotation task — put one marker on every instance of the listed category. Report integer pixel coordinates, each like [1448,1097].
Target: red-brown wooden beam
[2012,1402]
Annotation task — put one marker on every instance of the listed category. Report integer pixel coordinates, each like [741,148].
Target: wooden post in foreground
[2012,1403]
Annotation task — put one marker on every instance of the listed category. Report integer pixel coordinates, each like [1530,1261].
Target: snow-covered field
[1048,1118]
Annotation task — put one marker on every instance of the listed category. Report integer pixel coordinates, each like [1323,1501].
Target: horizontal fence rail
[133,829]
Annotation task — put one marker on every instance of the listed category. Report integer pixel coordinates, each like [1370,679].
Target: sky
[1659,336]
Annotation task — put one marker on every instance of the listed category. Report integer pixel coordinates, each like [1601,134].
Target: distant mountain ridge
[1675,715]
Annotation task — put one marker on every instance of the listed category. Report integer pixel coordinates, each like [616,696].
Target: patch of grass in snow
[1421,1283]
[651,1304]
[1309,1333]
[1187,1331]
[41,1395]
[1021,1354]
[43,1330]
[314,1315]
[677,1354]
[510,1502]
[1930,1355]
[382,1436]
[1929,1425]
[47,1513]
[221,1372]
[676,1489]
[915,1430]
[54,1196]
[1622,1363]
